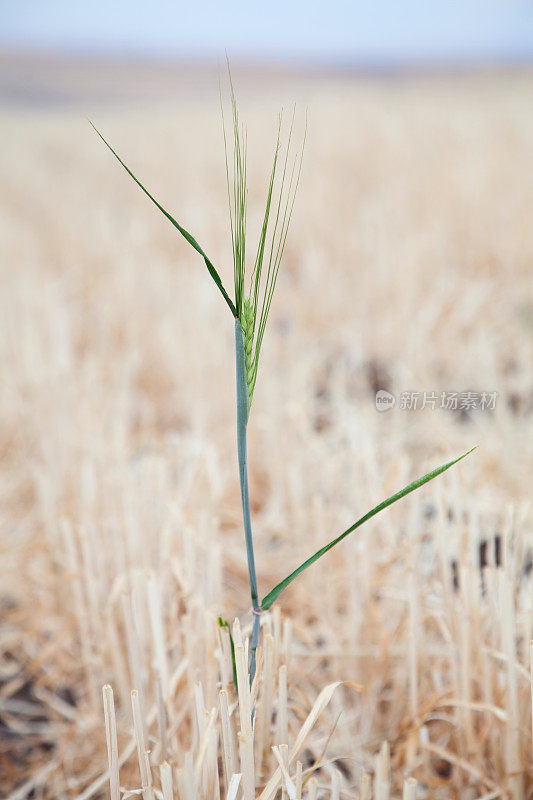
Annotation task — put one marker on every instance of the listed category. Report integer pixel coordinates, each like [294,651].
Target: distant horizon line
[347,64]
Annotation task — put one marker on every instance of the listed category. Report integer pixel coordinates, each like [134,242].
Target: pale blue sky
[355,31]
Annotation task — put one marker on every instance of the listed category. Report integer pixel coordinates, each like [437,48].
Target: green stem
[243,410]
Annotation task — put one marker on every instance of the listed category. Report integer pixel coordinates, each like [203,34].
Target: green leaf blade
[272,596]
[186,235]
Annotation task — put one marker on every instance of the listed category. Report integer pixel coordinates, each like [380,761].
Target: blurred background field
[407,269]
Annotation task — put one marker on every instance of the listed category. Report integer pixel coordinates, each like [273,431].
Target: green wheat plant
[255,281]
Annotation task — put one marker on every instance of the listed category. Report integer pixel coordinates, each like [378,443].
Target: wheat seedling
[250,310]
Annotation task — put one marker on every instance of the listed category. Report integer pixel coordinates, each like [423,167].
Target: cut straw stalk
[161,717]
[200,772]
[187,788]
[111,739]
[142,752]
[233,787]
[366,787]
[246,737]
[531,683]
[299,780]
[267,697]
[512,738]
[313,789]
[156,625]
[80,610]
[133,645]
[165,772]
[229,761]
[281,753]
[283,723]
[382,773]
[247,765]
[335,785]
[409,789]
[243,683]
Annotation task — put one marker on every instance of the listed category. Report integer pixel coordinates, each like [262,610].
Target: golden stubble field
[408,268]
